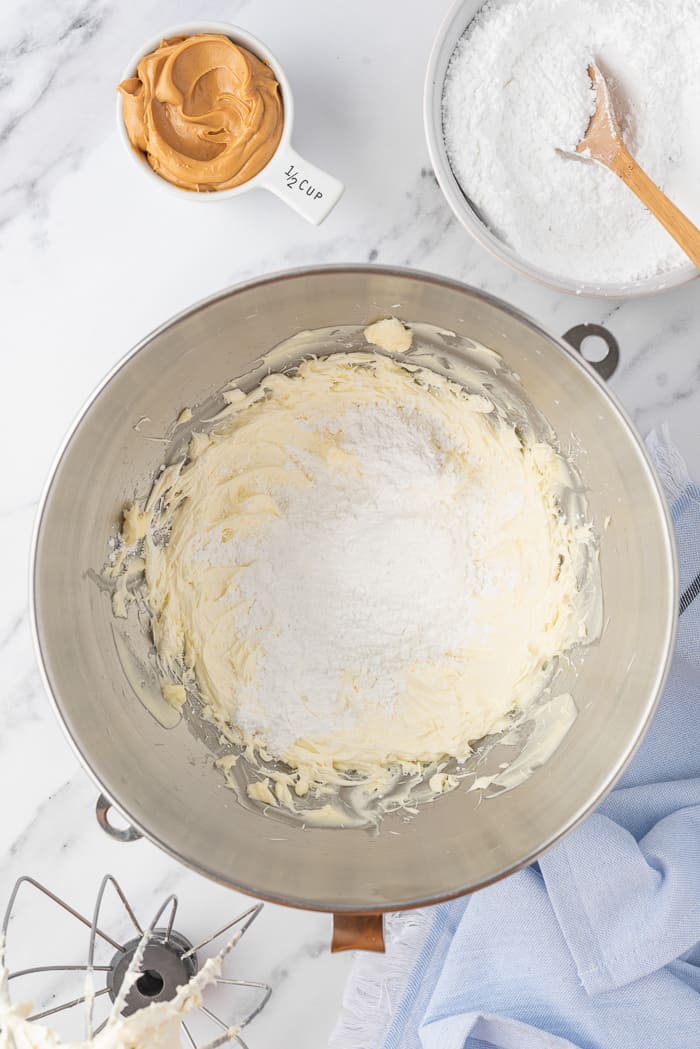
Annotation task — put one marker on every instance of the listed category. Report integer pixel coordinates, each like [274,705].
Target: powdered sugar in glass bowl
[507,87]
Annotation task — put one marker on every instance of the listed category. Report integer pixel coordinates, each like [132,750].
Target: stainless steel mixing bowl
[164,782]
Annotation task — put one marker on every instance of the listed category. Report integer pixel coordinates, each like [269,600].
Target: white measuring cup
[308,190]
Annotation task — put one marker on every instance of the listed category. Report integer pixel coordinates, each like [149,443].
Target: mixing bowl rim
[468,218]
[655,691]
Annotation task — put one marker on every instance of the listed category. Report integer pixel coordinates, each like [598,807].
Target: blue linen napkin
[598,945]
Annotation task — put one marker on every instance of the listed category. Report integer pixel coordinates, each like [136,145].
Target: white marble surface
[92,257]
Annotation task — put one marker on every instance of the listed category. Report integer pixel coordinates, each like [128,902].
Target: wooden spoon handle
[671,218]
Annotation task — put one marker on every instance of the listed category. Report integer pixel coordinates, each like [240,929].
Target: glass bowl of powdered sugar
[507,98]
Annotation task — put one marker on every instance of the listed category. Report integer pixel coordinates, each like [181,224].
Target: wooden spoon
[603,142]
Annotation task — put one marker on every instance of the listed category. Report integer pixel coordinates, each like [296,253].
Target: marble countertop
[92,257]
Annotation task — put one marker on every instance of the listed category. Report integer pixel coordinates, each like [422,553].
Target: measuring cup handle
[311,192]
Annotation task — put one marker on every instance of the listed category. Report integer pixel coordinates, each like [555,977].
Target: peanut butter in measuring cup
[210,113]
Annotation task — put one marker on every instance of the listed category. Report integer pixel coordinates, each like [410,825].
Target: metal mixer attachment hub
[168,962]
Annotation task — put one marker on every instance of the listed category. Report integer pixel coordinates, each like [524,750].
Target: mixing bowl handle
[127,833]
[358,932]
[607,365]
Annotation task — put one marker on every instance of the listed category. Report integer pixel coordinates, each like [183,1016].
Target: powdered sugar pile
[391,562]
[517,93]
[366,566]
